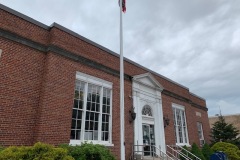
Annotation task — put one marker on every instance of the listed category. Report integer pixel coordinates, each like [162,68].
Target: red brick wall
[20,83]
[57,100]
[22,27]
[36,89]
[191,119]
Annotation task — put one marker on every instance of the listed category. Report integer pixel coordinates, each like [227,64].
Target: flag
[123,5]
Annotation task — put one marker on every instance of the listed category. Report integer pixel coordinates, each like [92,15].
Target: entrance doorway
[148,140]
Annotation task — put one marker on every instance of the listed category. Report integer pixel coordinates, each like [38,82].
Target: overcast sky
[193,42]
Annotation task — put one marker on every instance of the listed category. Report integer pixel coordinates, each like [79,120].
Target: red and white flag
[123,5]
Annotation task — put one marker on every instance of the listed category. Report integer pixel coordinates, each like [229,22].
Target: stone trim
[181,98]
[80,59]
[84,39]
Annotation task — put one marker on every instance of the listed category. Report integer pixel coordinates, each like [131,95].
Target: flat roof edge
[197,96]
[109,51]
[27,18]
[226,115]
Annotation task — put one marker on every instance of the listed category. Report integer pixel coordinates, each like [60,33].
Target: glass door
[148,139]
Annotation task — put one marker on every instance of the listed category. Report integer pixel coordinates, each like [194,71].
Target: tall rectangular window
[91,113]
[200,133]
[180,125]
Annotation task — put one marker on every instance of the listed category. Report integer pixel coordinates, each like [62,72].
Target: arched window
[147,111]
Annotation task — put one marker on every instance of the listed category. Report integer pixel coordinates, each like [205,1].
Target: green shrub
[90,151]
[197,152]
[207,151]
[231,150]
[1,148]
[39,151]
[184,152]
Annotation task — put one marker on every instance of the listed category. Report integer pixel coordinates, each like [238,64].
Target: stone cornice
[80,59]
[181,98]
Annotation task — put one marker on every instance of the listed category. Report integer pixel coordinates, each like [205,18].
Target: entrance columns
[146,90]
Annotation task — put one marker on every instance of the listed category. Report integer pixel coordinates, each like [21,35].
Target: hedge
[39,151]
[231,150]
[89,151]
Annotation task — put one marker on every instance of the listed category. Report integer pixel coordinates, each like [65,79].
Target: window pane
[96,126]
[92,112]
[77,94]
[93,98]
[97,107]
[79,114]
[73,133]
[96,116]
[88,105]
[95,136]
[108,101]
[104,118]
[92,116]
[106,136]
[87,125]
[107,127]
[74,113]
[77,110]
[79,123]
[104,108]
[78,134]
[108,109]
[80,104]
[73,124]
[104,100]
[75,105]
[107,118]
[103,126]
[93,107]
[180,125]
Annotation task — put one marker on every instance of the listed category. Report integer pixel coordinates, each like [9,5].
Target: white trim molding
[179,111]
[92,107]
[146,91]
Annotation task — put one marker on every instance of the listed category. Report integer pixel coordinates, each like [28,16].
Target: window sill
[78,142]
[183,144]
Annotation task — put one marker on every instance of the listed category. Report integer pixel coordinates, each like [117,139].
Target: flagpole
[121,88]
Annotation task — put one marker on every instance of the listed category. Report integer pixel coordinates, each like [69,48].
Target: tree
[224,132]
[197,152]
[207,151]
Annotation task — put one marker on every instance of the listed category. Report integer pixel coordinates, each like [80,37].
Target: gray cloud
[193,42]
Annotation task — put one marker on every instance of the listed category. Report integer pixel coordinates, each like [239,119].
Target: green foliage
[184,152]
[1,148]
[224,132]
[231,150]
[197,152]
[39,151]
[207,151]
[89,152]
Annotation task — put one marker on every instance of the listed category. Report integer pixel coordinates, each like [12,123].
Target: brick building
[59,87]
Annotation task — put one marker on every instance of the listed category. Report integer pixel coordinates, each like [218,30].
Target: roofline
[31,20]
[27,18]
[111,52]
[226,115]
[197,96]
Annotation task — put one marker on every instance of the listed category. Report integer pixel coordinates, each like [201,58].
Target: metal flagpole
[121,88]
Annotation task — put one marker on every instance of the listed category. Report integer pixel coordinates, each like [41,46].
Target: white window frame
[180,107]
[199,124]
[102,83]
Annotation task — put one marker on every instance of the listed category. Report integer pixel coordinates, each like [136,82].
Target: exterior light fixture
[132,115]
[166,121]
